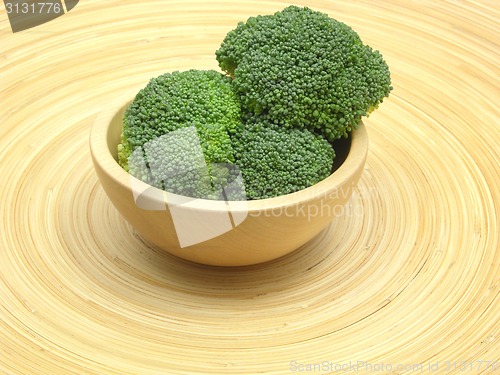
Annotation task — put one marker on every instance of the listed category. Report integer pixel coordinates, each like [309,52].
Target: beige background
[410,275]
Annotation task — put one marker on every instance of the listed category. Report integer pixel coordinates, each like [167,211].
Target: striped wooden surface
[409,277]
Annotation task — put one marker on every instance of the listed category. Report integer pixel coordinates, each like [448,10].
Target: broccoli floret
[298,80]
[300,68]
[159,145]
[275,161]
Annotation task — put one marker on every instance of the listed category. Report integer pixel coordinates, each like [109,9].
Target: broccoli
[275,161]
[157,144]
[299,68]
[296,81]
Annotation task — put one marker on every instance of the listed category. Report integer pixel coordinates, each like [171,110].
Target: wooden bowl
[232,233]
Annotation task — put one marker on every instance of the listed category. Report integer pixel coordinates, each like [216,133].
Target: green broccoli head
[298,81]
[204,99]
[275,161]
[300,68]
[171,122]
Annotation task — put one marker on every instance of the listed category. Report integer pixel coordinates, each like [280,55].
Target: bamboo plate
[408,277]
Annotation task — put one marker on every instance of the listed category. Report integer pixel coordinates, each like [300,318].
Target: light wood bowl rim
[355,160]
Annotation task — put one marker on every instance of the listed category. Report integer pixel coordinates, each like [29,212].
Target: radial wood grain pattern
[409,275]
